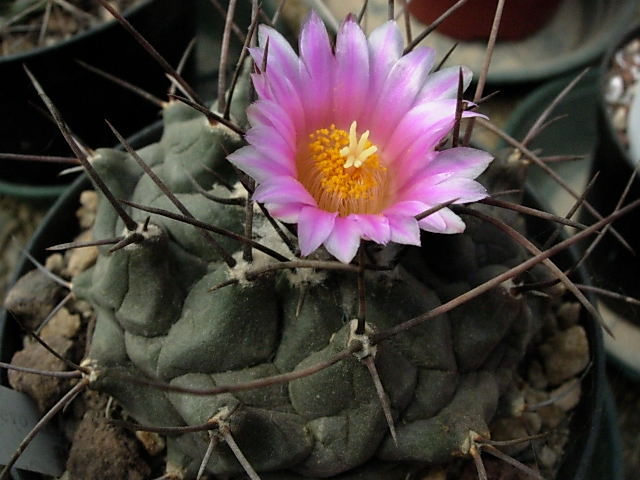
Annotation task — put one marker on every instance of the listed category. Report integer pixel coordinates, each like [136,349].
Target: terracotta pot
[520,18]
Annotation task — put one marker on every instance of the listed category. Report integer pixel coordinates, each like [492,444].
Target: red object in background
[520,18]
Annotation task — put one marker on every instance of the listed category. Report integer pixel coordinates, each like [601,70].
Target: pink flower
[344,143]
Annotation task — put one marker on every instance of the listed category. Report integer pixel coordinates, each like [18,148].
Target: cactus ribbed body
[157,318]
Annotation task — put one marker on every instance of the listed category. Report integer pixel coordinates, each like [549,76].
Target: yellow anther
[355,185]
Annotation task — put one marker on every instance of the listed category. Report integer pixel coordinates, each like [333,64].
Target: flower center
[342,171]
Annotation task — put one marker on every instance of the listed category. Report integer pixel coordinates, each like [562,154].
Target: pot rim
[76,38]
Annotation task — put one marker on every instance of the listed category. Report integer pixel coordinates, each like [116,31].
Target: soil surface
[28,24]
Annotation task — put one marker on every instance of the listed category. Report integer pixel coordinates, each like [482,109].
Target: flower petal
[374,227]
[404,230]
[266,112]
[352,73]
[283,190]
[314,227]
[464,189]
[317,74]
[280,56]
[399,91]
[270,143]
[255,164]
[443,84]
[344,240]
[426,123]
[448,222]
[385,49]
[459,161]
[288,212]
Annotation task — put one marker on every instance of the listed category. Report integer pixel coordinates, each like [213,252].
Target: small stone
[565,355]
[547,457]
[567,395]
[569,314]
[46,391]
[79,259]
[510,429]
[112,452]
[550,416]
[84,308]
[536,376]
[533,422]
[435,475]
[87,212]
[152,442]
[55,263]
[63,323]
[614,89]
[619,118]
[32,298]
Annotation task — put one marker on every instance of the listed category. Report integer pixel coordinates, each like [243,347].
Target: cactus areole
[343,144]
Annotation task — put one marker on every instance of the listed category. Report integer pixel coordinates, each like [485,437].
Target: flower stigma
[343,172]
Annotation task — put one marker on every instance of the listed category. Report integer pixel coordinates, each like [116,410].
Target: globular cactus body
[157,318]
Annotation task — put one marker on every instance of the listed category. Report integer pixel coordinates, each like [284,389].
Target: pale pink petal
[407,208]
[448,222]
[256,165]
[374,227]
[443,84]
[351,75]
[266,112]
[280,56]
[426,123]
[399,91]
[317,75]
[464,189]
[267,140]
[344,240]
[404,230]
[460,161]
[385,49]
[282,190]
[288,212]
[314,227]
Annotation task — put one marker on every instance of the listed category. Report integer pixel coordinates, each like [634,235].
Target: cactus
[157,318]
[369,368]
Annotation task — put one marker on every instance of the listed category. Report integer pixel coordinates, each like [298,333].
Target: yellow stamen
[343,172]
[358,150]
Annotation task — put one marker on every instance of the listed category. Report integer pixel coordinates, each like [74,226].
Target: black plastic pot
[59,224]
[84,98]
[613,266]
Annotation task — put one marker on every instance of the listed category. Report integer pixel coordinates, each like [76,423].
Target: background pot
[520,18]
[59,224]
[614,266]
[84,98]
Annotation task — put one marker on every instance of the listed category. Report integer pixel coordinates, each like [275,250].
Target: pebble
[621,84]
[547,457]
[569,314]
[88,206]
[567,395]
[79,259]
[152,442]
[565,355]
[32,297]
[63,323]
[536,376]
